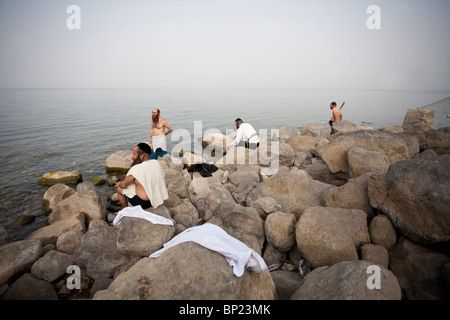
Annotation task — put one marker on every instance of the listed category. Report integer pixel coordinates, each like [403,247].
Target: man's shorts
[136,201]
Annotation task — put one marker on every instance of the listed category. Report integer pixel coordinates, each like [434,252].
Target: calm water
[59,129]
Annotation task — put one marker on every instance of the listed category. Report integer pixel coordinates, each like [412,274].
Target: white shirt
[245,132]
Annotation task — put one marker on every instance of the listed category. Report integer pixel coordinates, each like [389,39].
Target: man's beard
[136,161]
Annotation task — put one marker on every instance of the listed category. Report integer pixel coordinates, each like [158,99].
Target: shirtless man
[158,131]
[336,115]
[144,184]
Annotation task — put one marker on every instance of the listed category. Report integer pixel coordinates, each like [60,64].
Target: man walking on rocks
[144,184]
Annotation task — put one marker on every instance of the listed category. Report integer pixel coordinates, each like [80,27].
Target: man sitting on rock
[144,184]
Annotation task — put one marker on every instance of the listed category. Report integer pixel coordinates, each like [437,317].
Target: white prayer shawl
[138,212]
[159,142]
[238,255]
[151,175]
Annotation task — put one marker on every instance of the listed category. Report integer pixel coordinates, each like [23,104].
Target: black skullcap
[145,147]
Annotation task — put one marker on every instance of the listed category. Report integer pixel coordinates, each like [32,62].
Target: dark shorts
[136,201]
[252,146]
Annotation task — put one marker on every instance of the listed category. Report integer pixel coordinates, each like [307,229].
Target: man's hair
[333,103]
[238,120]
[143,148]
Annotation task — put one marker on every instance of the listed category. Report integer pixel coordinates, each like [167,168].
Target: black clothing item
[136,201]
[205,169]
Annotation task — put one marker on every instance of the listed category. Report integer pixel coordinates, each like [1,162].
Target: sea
[47,130]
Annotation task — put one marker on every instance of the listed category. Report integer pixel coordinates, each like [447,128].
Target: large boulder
[352,195]
[301,143]
[188,271]
[98,254]
[17,257]
[138,237]
[419,115]
[392,145]
[438,140]
[119,162]
[382,231]
[50,233]
[29,287]
[419,270]
[326,236]
[215,144]
[52,265]
[316,130]
[415,195]
[280,230]
[295,191]
[348,280]
[87,200]
[347,126]
[361,161]
[69,177]
[56,194]
[241,222]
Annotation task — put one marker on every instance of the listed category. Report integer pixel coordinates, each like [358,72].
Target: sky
[226,43]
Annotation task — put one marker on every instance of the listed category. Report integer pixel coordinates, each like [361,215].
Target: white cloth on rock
[138,212]
[238,254]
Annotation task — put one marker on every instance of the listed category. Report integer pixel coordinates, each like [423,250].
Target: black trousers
[252,146]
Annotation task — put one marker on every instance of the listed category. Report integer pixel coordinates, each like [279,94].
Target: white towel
[159,142]
[212,237]
[138,212]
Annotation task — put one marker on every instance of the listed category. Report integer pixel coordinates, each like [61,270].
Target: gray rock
[17,257]
[347,280]
[119,161]
[415,195]
[327,236]
[138,237]
[375,254]
[287,283]
[98,253]
[295,191]
[87,200]
[334,154]
[29,287]
[280,230]
[361,161]
[56,194]
[419,270]
[186,214]
[382,231]
[188,271]
[241,222]
[70,241]
[52,265]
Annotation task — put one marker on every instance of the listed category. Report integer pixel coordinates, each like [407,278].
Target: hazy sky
[226,43]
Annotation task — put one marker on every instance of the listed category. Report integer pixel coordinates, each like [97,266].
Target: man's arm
[237,139]
[169,128]
[126,182]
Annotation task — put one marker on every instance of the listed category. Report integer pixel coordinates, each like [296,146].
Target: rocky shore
[351,212]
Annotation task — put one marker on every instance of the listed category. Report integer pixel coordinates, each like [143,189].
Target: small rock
[66,177]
